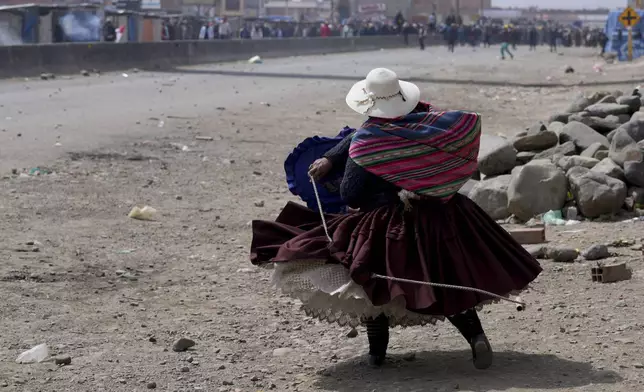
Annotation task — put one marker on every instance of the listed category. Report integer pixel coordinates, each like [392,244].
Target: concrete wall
[29,60]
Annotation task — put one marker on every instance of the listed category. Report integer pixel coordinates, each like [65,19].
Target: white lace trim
[328,293]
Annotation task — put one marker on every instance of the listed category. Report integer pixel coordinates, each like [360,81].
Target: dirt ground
[114,293]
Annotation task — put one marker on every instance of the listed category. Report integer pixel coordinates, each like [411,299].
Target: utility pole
[458,7]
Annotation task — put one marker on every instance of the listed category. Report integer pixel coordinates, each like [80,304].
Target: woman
[402,171]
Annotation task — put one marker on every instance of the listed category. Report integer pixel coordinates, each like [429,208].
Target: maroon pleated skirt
[454,243]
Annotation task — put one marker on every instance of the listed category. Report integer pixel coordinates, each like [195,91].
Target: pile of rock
[587,161]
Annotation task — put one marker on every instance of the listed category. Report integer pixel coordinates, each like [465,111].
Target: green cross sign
[629,17]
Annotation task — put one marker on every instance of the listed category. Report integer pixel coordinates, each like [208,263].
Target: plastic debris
[34,355]
[255,60]
[555,218]
[146,213]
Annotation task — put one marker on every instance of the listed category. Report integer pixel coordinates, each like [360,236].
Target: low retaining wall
[29,60]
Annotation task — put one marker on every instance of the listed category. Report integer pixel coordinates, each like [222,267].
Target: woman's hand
[320,168]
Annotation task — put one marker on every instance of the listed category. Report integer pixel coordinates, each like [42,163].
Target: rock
[84,72]
[537,251]
[582,102]
[409,357]
[558,117]
[151,385]
[634,173]
[622,118]
[608,99]
[608,167]
[601,125]
[557,126]
[282,352]
[569,69]
[634,198]
[496,155]
[537,138]
[47,76]
[606,109]
[63,360]
[536,188]
[492,196]
[524,157]
[633,102]
[562,254]
[185,369]
[353,333]
[596,193]
[582,135]
[565,149]
[596,252]
[601,154]
[570,213]
[592,150]
[467,187]
[260,203]
[183,344]
[623,146]
[578,116]
[610,135]
[567,163]
[617,93]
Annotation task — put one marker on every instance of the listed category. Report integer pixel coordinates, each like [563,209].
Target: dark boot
[469,325]
[378,335]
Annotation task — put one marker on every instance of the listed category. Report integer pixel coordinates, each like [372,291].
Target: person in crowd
[422,34]
[109,31]
[225,31]
[533,36]
[506,38]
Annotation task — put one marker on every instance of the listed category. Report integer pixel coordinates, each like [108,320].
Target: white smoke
[81,27]
[8,36]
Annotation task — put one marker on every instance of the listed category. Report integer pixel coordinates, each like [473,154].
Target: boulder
[538,137]
[496,155]
[578,116]
[467,187]
[617,93]
[606,109]
[524,157]
[634,172]
[622,118]
[624,143]
[561,254]
[492,196]
[601,125]
[636,117]
[567,163]
[607,99]
[582,135]
[608,167]
[536,188]
[582,102]
[565,149]
[596,193]
[579,104]
[557,126]
[559,117]
[596,252]
[601,154]
[632,101]
[593,149]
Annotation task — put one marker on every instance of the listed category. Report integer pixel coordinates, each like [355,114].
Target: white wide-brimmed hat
[382,95]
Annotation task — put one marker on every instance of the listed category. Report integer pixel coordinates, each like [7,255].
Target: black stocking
[468,324]
[378,335]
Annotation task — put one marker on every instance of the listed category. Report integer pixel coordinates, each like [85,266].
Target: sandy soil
[114,293]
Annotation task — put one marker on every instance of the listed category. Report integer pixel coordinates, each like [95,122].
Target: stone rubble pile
[587,161]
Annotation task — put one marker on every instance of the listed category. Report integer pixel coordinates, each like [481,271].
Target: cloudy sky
[570,4]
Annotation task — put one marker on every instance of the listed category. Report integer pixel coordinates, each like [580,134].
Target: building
[300,9]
